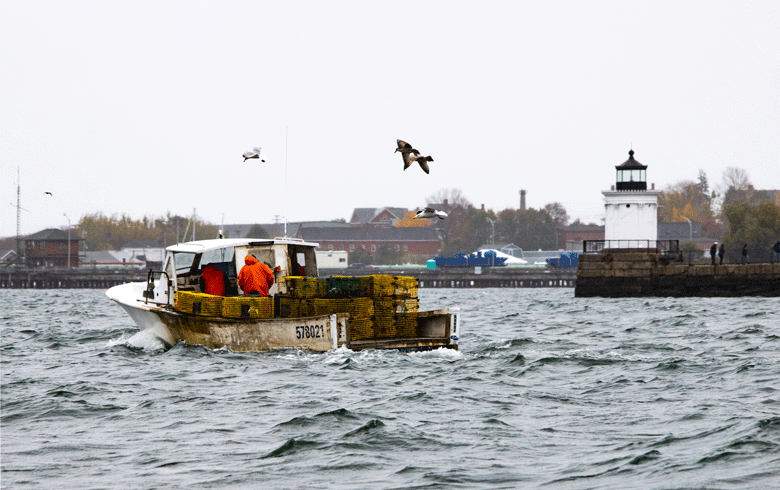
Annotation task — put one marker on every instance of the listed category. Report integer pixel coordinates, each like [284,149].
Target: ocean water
[546,391]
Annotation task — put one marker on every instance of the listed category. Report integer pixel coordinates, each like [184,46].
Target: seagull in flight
[49,193]
[410,155]
[430,213]
[255,153]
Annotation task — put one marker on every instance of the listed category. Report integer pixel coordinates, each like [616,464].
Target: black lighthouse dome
[631,175]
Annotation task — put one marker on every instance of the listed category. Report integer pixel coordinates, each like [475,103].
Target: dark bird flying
[410,155]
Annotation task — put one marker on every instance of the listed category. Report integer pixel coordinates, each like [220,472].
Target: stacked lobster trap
[379,306]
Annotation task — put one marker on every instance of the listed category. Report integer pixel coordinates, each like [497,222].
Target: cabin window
[264,255]
[351,247]
[183,262]
[373,248]
[219,255]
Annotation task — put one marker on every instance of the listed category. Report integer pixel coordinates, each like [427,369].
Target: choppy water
[547,391]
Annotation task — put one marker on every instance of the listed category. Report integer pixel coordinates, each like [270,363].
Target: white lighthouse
[631,211]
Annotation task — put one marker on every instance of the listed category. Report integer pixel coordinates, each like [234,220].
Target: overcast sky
[145,107]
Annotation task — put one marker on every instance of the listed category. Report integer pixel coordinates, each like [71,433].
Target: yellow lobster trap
[247,307]
[197,303]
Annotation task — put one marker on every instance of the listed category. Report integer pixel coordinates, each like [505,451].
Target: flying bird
[255,153]
[410,155]
[49,193]
[430,213]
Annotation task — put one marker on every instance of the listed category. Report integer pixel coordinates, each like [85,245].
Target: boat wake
[144,340]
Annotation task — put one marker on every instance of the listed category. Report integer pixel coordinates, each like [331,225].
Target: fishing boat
[301,311]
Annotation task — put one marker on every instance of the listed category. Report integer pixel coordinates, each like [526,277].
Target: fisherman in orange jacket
[255,277]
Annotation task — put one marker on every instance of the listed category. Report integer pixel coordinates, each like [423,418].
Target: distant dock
[475,277]
[448,277]
[61,278]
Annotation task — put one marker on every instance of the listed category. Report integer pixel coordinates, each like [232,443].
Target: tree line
[101,232]
[734,212]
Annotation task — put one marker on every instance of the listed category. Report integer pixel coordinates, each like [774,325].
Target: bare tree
[736,178]
[454,197]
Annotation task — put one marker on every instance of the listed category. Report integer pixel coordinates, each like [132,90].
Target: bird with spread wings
[411,155]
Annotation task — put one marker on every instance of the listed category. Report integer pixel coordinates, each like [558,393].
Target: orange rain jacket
[255,277]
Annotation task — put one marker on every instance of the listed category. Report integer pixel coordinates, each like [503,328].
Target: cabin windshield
[183,262]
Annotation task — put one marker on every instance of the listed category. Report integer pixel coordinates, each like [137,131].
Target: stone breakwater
[618,273]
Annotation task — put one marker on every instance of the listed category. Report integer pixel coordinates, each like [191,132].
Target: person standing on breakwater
[745,259]
[776,248]
[713,252]
[721,252]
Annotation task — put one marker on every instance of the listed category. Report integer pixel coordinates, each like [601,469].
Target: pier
[64,278]
[475,277]
[452,277]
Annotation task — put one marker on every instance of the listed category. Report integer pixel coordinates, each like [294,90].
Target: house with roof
[52,248]
[421,242]
[7,257]
[276,229]
[112,259]
[150,252]
[382,217]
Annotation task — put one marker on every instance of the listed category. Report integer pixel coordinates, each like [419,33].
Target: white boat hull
[319,333]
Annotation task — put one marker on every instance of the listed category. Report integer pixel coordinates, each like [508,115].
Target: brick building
[571,237]
[423,242]
[51,248]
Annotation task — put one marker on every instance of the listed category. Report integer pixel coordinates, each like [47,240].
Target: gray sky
[144,107]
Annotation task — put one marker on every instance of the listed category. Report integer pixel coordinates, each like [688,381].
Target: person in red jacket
[255,277]
[212,281]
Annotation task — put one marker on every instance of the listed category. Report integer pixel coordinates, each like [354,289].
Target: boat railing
[149,291]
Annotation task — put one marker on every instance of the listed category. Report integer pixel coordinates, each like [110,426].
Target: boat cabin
[184,262]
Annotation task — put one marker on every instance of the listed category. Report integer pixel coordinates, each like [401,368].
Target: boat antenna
[18,214]
[285,181]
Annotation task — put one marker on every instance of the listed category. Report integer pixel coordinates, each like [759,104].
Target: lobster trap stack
[248,307]
[380,306]
[198,303]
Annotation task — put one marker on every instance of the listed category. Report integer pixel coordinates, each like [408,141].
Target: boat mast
[285,181]
[18,215]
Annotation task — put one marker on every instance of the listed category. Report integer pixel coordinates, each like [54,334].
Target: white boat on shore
[302,310]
